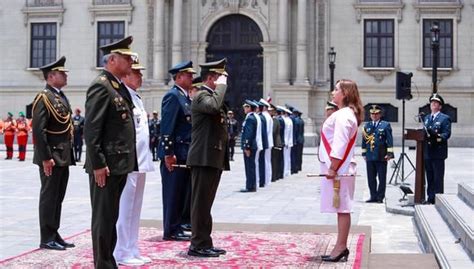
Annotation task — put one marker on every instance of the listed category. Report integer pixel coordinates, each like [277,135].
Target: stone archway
[238,38]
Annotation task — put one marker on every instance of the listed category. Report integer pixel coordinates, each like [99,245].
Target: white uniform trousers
[268,166]
[129,217]
[257,171]
[286,161]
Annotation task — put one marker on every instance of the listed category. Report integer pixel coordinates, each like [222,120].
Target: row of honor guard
[272,142]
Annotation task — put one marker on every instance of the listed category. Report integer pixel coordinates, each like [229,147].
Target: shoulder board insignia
[115,84]
[45,90]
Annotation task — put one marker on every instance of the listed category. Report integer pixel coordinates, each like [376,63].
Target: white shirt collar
[435,114]
[57,90]
[181,89]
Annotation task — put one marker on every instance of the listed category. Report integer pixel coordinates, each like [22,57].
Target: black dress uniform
[78,122]
[52,132]
[377,144]
[208,156]
[154,128]
[109,133]
[299,140]
[175,129]
[277,146]
[438,126]
[249,142]
[282,138]
[261,157]
[233,131]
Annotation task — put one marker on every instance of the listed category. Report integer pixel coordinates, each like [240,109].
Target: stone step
[405,261]
[436,237]
[459,217]
[466,192]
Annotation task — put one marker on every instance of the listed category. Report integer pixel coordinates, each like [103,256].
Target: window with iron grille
[378,43]
[43,44]
[445,43]
[108,32]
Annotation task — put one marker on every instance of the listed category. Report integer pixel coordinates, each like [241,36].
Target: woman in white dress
[336,153]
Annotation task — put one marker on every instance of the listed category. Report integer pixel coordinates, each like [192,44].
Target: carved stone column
[159,73]
[283,65]
[301,59]
[176,50]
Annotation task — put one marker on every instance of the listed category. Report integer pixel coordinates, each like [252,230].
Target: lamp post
[332,66]
[435,49]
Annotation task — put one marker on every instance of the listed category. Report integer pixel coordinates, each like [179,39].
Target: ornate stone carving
[370,7]
[447,7]
[43,3]
[43,9]
[257,6]
[111,8]
[378,73]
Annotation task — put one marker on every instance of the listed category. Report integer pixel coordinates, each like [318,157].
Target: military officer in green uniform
[52,131]
[207,155]
[109,133]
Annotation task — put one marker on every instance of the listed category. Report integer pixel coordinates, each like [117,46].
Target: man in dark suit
[438,126]
[207,155]
[377,149]
[249,145]
[78,122]
[109,133]
[233,131]
[52,131]
[175,129]
[277,143]
[154,129]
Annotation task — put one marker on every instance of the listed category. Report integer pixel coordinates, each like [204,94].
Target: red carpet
[244,249]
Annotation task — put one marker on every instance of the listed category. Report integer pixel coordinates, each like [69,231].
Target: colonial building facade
[275,48]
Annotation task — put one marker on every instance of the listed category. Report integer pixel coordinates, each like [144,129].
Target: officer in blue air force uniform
[175,139]
[249,145]
[377,149]
[438,126]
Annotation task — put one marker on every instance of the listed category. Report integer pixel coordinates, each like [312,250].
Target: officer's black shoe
[248,190]
[380,201]
[180,236]
[186,227]
[52,245]
[8,158]
[202,252]
[65,244]
[262,185]
[371,201]
[219,251]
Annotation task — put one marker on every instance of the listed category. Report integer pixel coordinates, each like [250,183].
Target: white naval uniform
[259,140]
[132,195]
[288,146]
[268,151]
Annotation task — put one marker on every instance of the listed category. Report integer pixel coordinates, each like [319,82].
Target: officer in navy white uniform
[126,250]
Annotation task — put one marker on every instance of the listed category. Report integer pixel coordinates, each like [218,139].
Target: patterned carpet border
[245,250]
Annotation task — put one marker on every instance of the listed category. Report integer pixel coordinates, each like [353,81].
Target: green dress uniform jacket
[109,128]
[209,129]
[52,128]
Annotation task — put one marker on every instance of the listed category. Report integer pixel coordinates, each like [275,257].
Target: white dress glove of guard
[222,79]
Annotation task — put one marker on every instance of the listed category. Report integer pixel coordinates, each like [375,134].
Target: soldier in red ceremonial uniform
[8,130]
[22,129]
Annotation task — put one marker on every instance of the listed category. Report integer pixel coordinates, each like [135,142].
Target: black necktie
[432,118]
[63,96]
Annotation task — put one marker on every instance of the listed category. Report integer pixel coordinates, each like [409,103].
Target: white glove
[222,79]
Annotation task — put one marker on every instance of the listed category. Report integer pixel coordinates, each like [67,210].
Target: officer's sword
[325,175]
[181,166]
